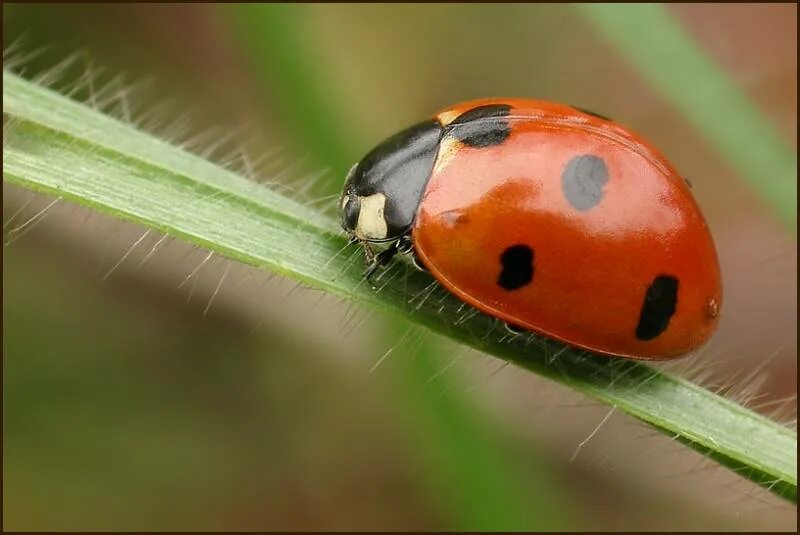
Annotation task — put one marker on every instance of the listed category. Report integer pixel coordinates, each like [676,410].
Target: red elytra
[550,218]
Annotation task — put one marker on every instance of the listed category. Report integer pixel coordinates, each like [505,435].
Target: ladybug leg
[417,262]
[405,246]
[369,252]
[376,261]
[516,330]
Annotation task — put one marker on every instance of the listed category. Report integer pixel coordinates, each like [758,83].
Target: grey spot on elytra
[659,305]
[517,267]
[483,126]
[583,180]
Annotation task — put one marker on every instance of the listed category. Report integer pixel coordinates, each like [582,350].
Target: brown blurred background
[130,403]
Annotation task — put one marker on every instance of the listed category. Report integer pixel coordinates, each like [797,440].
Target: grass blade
[65,149]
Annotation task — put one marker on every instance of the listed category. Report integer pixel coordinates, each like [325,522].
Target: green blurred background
[130,403]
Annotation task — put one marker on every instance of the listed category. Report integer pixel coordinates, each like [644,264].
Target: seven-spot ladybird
[548,217]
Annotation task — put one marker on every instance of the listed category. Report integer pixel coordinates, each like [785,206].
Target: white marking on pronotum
[593,433]
[127,253]
[371,223]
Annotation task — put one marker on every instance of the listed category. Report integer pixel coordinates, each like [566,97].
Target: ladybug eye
[350,211]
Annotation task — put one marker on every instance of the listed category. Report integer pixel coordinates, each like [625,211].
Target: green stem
[62,148]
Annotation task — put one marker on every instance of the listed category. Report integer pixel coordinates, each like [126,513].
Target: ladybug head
[382,191]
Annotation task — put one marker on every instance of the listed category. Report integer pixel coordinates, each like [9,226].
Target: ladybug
[550,218]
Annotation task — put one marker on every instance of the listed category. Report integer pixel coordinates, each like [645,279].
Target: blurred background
[138,400]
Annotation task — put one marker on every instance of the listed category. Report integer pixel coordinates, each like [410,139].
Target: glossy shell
[567,224]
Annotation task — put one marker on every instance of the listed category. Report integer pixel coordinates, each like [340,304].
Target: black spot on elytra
[583,180]
[593,114]
[658,307]
[517,263]
[483,126]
